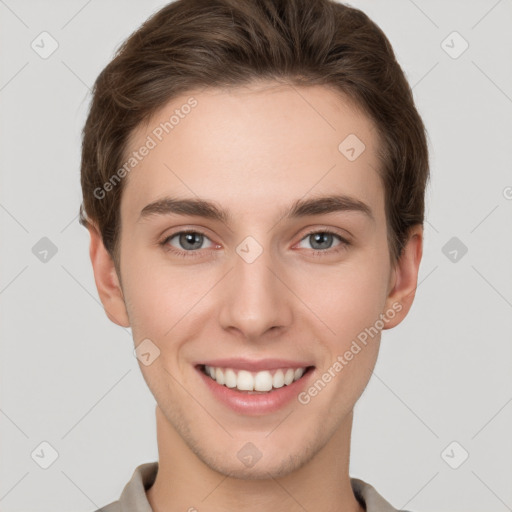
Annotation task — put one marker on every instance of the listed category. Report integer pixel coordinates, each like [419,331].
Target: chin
[251,463]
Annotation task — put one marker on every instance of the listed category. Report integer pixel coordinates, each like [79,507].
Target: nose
[255,300]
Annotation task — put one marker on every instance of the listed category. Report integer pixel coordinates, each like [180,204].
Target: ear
[107,281]
[404,278]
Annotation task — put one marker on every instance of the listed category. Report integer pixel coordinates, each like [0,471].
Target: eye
[321,241]
[191,241]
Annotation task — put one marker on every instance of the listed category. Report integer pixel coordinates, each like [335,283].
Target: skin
[254,150]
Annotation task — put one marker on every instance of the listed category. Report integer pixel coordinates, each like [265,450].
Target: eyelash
[196,253]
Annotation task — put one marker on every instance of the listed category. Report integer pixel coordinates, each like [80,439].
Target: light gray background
[69,376]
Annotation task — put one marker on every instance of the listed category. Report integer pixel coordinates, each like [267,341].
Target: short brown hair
[226,43]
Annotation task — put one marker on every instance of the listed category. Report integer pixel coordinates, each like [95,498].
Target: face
[263,282]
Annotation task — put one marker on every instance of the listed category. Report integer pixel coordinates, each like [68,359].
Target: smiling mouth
[252,383]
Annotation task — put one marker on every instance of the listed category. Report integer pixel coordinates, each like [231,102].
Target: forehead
[254,147]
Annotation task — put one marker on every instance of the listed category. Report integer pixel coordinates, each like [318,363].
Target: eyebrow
[299,208]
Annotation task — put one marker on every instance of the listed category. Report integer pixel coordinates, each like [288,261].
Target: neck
[185,483]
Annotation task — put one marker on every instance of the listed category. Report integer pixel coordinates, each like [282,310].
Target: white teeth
[219,375]
[258,381]
[298,373]
[230,378]
[263,381]
[278,379]
[244,382]
[289,376]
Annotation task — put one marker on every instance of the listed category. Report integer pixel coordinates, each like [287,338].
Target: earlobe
[107,281]
[402,292]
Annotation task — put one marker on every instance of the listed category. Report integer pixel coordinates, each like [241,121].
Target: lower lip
[258,404]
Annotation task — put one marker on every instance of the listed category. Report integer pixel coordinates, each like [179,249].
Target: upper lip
[255,365]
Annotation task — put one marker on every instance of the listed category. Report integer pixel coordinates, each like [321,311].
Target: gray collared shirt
[133,497]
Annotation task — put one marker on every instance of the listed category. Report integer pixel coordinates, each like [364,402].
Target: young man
[253,175]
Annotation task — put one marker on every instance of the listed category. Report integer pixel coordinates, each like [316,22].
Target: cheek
[150,296]
[156,305]
[348,298]
[163,300]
